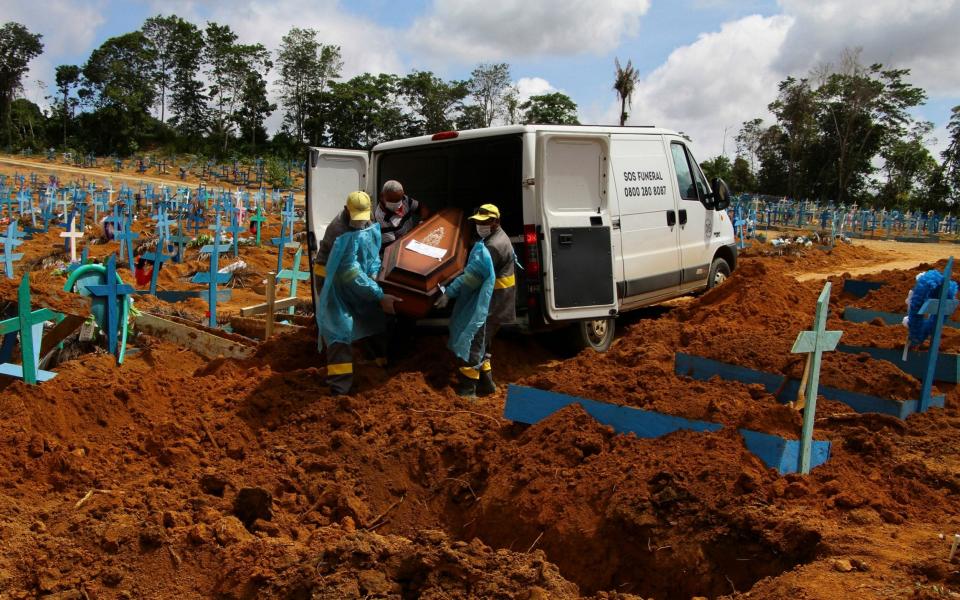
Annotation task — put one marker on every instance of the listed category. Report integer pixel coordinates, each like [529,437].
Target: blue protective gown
[927,286]
[471,291]
[349,307]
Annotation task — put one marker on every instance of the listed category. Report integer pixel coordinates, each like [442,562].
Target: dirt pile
[174,476]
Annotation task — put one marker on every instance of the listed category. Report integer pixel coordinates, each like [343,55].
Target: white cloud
[719,81]
[919,35]
[532,86]
[509,29]
[68,27]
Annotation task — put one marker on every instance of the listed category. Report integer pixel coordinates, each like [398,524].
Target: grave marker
[72,235]
[294,275]
[213,277]
[11,241]
[157,257]
[30,326]
[115,293]
[259,219]
[813,343]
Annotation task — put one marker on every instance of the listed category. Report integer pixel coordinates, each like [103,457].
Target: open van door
[578,250]
[331,175]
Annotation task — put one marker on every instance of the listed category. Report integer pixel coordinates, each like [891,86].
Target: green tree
[748,141]
[17,48]
[796,112]
[435,102]
[364,111]
[741,177]
[490,88]
[228,66]
[624,82]
[555,108]
[188,97]
[68,76]
[254,108]
[951,156]
[909,168]
[862,109]
[718,166]
[26,123]
[114,86]
[161,35]
[305,67]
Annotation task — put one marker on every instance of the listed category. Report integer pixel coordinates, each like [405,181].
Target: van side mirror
[720,198]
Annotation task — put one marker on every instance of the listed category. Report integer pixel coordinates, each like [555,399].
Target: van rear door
[331,175]
[578,251]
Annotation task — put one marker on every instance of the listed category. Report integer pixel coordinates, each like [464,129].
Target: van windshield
[464,174]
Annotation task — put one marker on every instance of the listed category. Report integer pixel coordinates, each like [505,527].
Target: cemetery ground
[178,475]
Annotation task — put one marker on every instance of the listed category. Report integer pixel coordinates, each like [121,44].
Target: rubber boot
[485,385]
[466,386]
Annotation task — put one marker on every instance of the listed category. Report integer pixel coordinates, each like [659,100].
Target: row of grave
[236,172]
[529,405]
[843,219]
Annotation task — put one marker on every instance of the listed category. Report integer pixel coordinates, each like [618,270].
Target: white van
[603,219]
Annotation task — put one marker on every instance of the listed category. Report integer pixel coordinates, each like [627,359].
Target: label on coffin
[430,255]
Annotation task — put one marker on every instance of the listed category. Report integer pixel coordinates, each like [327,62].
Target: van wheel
[596,334]
[719,271]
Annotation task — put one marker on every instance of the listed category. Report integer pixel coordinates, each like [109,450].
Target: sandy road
[905,255]
[9,161]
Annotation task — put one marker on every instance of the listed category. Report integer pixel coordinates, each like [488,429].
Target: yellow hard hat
[358,205]
[485,213]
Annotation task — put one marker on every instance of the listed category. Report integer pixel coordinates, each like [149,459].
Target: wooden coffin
[431,255]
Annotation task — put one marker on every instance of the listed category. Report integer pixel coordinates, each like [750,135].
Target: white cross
[73,234]
[241,210]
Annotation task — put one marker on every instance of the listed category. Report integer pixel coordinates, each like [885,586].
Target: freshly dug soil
[176,476]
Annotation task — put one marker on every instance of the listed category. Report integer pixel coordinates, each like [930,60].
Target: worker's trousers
[480,348]
[340,362]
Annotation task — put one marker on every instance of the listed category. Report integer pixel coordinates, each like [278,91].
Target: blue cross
[294,275]
[157,257]
[213,277]
[114,292]
[11,241]
[814,343]
[30,326]
[235,229]
[180,240]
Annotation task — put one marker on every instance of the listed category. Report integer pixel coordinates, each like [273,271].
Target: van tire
[596,334]
[719,272]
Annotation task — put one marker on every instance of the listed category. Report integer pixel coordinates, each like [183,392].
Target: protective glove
[442,301]
[387,304]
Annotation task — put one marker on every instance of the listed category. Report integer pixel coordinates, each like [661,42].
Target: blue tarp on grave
[860,288]
[862,315]
[530,405]
[703,369]
[947,369]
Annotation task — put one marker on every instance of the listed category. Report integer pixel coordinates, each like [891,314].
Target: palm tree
[624,83]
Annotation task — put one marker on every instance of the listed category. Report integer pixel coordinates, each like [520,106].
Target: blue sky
[706,65]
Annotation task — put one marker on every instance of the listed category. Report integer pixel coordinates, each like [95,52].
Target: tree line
[844,134]
[174,86]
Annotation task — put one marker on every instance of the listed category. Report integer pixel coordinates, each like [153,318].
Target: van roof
[468,134]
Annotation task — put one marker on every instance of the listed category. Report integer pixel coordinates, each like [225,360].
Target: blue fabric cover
[349,307]
[472,291]
[928,286]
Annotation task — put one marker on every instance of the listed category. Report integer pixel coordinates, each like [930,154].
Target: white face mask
[484,230]
[393,206]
